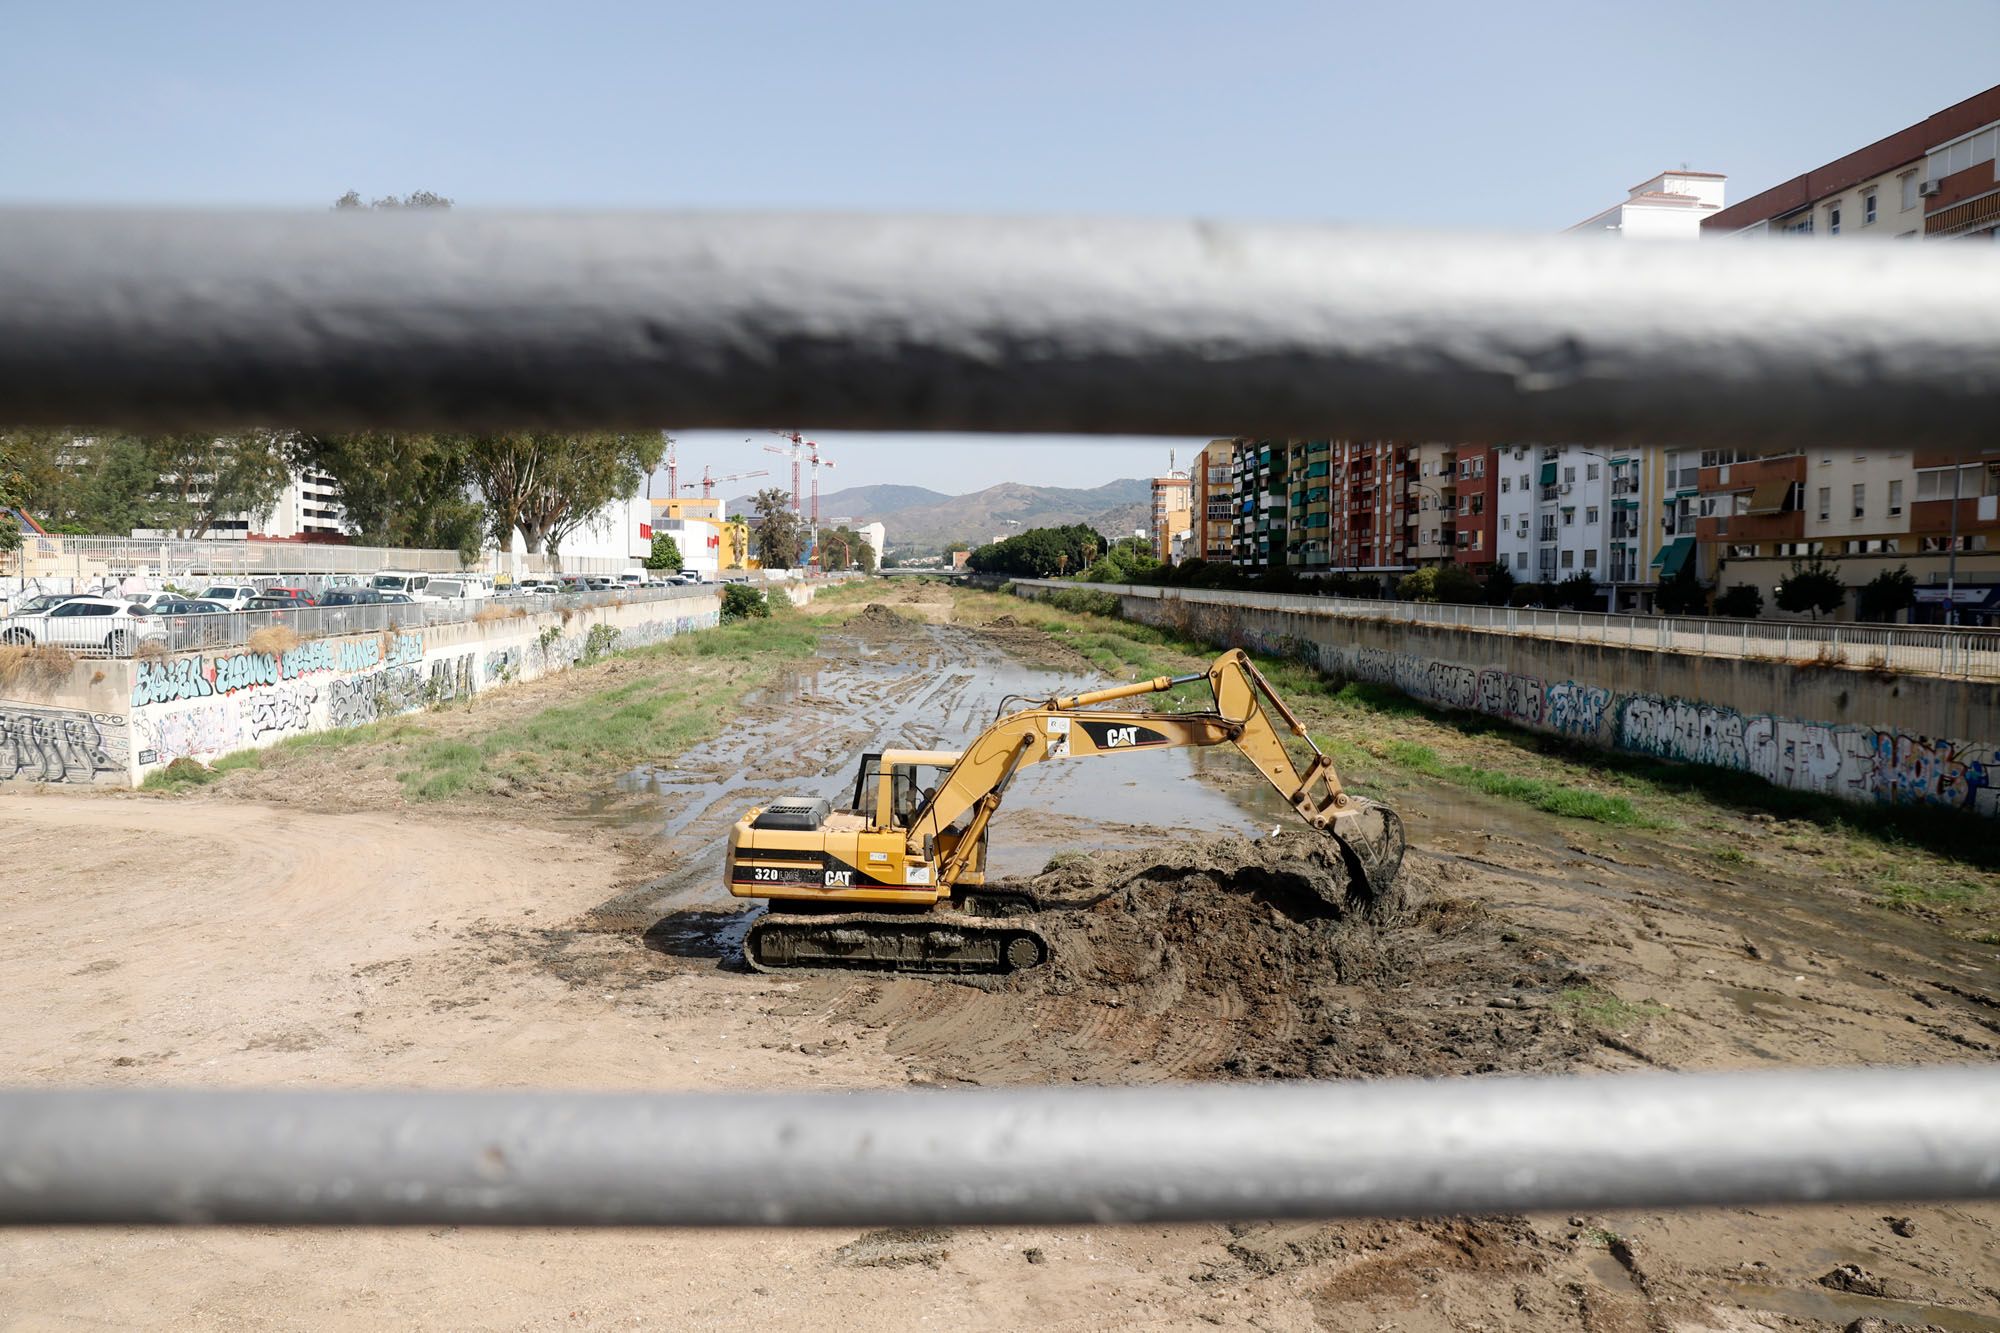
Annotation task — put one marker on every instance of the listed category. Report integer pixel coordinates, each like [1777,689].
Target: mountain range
[924,521]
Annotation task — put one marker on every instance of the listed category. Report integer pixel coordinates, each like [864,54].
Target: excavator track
[892,942]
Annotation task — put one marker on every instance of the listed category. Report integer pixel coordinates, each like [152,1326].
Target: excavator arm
[1370,835]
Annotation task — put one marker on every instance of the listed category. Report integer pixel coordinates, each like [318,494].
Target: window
[1833,220]
[1741,552]
[1825,503]
[1524,481]
[1569,518]
[1590,514]
[1860,499]
[1520,559]
[1590,472]
[1909,183]
[1568,559]
[1895,498]
[1506,485]
[1569,476]
[1590,558]
[1868,207]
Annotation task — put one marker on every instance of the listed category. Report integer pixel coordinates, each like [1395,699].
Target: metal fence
[85,559]
[1972,654]
[234,628]
[181,320]
[1017,1155]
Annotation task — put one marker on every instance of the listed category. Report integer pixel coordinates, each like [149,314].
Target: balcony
[1743,476]
[1782,527]
[1974,512]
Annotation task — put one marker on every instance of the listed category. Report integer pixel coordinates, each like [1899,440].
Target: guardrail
[1971,654]
[88,558]
[1041,1156]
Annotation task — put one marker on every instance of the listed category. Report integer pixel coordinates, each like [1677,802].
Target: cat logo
[840,879]
[1121,736]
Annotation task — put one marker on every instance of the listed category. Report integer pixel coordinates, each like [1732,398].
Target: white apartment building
[1670,206]
[1554,512]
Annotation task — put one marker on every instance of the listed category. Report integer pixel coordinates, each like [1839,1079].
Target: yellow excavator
[896,882]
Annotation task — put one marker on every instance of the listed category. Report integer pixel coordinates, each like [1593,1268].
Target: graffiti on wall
[199,677]
[1858,763]
[59,744]
[203,706]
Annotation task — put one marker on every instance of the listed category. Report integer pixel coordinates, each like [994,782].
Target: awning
[1769,497]
[1672,556]
[1548,474]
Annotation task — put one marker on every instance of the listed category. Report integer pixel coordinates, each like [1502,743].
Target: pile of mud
[878,619]
[1267,939]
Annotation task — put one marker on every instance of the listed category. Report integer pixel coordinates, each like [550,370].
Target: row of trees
[445,491]
[1041,553]
[783,538]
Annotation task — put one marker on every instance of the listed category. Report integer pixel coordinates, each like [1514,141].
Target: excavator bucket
[1371,840]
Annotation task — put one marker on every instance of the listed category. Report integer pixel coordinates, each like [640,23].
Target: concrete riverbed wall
[1864,736]
[114,721]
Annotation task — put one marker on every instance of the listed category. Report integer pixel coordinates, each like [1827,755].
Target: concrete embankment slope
[1858,734]
[113,721]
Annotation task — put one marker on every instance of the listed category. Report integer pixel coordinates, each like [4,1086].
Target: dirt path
[504,942]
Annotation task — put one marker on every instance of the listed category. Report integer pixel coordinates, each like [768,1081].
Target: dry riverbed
[552,916]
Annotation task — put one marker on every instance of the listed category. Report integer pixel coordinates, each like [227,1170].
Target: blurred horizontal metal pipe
[1046,1156]
[158,320]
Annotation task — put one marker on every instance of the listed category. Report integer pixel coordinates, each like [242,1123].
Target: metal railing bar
[462,320]
[1019,1155]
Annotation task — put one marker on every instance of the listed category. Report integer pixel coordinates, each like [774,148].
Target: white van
[452,588]
[403,581]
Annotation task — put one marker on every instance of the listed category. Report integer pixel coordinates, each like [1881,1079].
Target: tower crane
[818,460]
[708,482]
[798,444]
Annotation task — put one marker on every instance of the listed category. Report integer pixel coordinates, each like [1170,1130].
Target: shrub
[1884,596]
[1811,587]
[741,601]
[1743,602]
[274,639]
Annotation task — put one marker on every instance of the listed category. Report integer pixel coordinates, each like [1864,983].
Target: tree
[1578,592]
[390,203]
[1682,595]
[741,601]
[1886,595]
[10,483]
[666,552]
[1419,585]
[1455,583]
[202,478]
[1500,585]
[1811,587]
[400,489]
[546,486]
[781,537]
[847,548]
[1742,601]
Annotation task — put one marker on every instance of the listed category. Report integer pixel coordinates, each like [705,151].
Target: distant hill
[926,519]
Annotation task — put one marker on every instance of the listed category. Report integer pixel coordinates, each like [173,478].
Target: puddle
[1839,1308]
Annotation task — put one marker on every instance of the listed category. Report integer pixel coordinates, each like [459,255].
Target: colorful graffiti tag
[156,682]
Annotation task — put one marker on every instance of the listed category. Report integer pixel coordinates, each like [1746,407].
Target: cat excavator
[897,880]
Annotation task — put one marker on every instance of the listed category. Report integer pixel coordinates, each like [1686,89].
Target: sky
[1517,116]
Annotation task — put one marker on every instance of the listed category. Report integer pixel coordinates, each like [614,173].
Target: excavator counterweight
[896,880]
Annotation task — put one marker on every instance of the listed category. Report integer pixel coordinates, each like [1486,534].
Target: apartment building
[1430,512]
[1933,179]
[1214,502]
[1173,515]
[1670,206]
[1559,505]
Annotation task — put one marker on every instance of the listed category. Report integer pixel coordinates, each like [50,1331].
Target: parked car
[298,596]
[152,601]
[601,585]
[455,589]
[261,603]
[41,602]
[188,606]
[352,597]
[86,624]
[234,596]
[396,598]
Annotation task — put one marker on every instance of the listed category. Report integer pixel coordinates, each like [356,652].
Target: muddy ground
[285,927]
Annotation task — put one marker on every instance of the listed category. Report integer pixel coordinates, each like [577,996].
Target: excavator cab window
[864,785]
[910,786]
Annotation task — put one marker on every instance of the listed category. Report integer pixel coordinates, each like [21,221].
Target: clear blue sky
[1433,113]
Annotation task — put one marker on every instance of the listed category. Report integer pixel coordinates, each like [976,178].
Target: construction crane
[708,482]
[673,469]
[794,453]
[818,460]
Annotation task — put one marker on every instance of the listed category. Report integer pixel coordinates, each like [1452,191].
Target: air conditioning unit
[1927,188]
